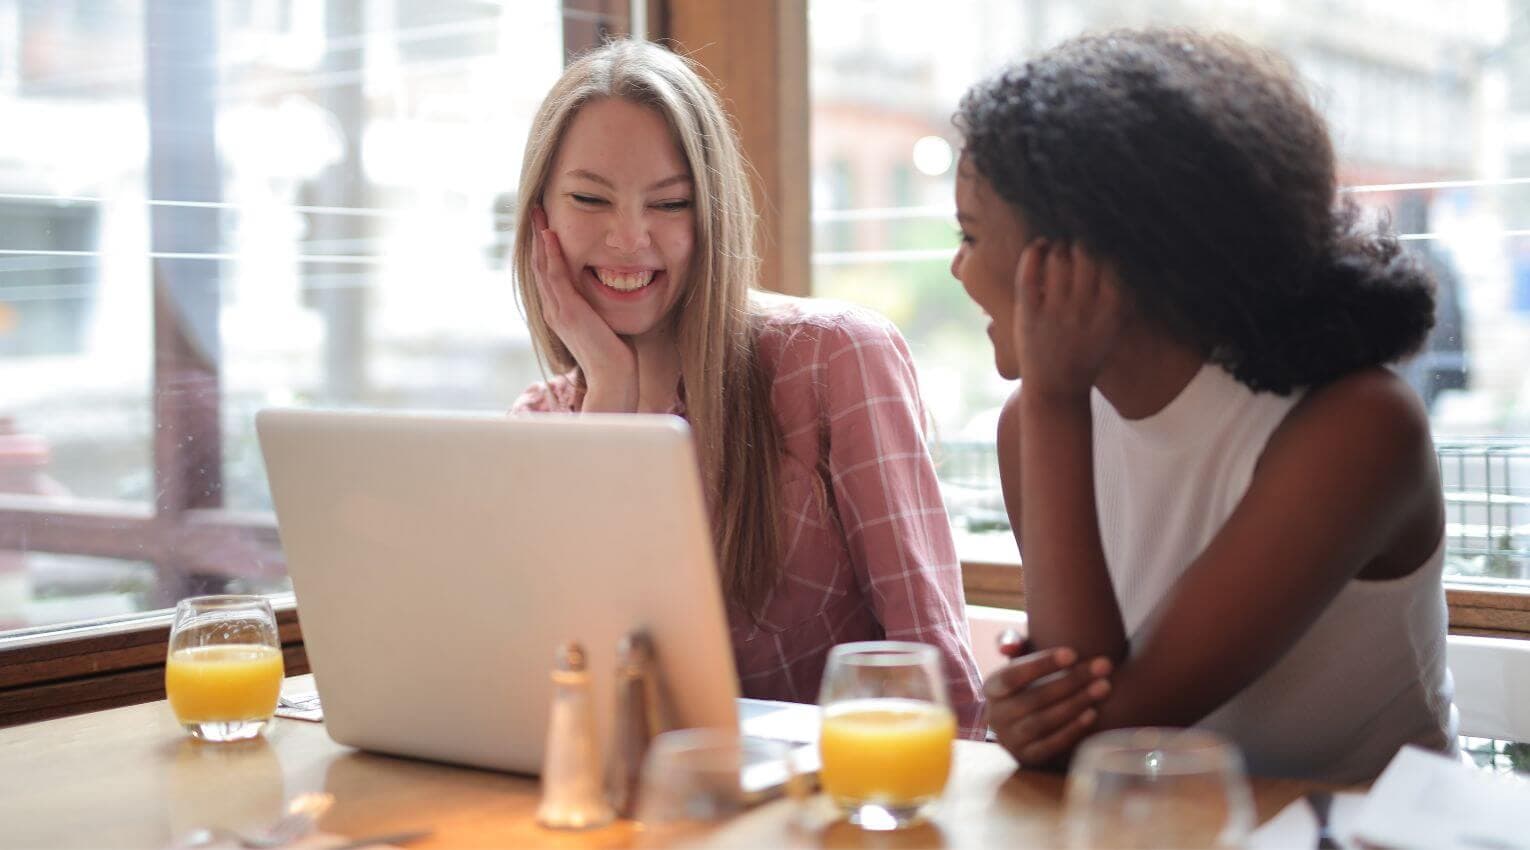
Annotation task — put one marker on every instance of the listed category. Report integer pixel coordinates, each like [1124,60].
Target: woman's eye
[673,206]
[589,200]
[965,238]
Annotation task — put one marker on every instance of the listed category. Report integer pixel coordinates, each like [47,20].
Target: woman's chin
[1007,368]
[628,323]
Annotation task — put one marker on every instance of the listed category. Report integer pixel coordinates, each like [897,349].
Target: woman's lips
[625,280]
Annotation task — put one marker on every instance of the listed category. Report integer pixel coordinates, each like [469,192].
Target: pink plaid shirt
[876,559]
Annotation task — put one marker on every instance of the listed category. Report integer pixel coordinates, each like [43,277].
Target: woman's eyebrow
[590,176]
[585,174]
[670,181]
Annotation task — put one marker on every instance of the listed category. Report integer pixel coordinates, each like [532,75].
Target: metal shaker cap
[570,658]
[633,653]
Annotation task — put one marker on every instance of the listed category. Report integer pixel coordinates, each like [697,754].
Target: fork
[303,813]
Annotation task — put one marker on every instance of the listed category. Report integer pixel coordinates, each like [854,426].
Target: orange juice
[890,751]
[223,683]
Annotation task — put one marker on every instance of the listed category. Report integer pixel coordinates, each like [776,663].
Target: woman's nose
[628,234]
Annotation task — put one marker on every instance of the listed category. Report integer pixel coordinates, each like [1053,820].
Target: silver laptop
[440,559]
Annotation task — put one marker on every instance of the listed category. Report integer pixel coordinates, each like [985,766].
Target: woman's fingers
[1059,274]
[1086,274]
[536,248]
[1061,741]
[557,268]
[1062,273]
[551,297]
[1026,670]
[1040,724]
[1026,673]
[1030,275]
[1043,694]
[1039,715]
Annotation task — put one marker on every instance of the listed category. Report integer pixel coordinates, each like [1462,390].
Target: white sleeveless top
[1366,678]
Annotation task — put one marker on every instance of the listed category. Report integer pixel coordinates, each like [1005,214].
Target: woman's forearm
[1068,591]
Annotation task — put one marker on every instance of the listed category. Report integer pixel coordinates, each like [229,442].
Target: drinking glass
[224,669]
[1155,788]
[694,781]
[887,732]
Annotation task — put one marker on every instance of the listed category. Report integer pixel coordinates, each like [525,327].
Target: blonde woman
[636,265]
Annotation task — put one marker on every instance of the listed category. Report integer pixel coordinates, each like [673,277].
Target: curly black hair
[1198,165]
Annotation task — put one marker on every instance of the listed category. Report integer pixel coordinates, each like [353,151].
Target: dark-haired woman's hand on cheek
[1042,704]
[1068,316]
[608,362]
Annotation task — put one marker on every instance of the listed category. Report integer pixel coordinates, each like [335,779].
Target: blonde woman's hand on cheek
[608,362]
[1040,705]
[1068,317]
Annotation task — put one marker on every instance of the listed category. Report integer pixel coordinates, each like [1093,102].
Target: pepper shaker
[634,724]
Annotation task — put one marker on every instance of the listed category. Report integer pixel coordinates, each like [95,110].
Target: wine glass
[1154,788]
[695,781]
[887,732]
[223,670]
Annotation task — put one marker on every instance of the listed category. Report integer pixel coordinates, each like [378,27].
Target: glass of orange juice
[887,732]
[224,669]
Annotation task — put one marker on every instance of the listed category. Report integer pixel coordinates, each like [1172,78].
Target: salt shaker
[572,797]
[634,724]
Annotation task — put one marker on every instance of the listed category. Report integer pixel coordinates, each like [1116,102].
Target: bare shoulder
[1009,460]
[1009,424]
[1369,427]
[1372,405]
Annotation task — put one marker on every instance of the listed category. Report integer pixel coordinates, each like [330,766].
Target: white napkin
[307,704]
[1296,827]
[1427,800]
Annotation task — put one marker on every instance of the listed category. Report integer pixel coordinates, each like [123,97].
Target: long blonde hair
[727,387]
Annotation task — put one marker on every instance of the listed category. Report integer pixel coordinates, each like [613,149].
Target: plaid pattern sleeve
[883,480]
[558,395]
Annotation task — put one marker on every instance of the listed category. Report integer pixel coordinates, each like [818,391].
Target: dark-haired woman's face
[993,236]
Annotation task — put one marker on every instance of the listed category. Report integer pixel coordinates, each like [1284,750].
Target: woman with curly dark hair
[1231,510]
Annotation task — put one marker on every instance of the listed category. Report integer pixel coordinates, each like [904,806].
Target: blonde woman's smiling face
[620,199]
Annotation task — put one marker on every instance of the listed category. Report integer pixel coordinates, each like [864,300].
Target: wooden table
[129,777]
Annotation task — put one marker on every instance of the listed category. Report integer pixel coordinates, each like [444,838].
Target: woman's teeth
[625,281]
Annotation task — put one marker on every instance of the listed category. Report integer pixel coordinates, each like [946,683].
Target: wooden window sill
[1475,609]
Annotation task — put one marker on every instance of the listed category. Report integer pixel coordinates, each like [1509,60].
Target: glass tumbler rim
[223,600]
[694,739]
[1190,750]
[715,751]
[883,653]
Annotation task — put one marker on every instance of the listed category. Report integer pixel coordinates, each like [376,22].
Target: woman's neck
[658,361]
[1146,371]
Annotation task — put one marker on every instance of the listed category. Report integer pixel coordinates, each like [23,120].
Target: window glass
[208,208]
[1428,109]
